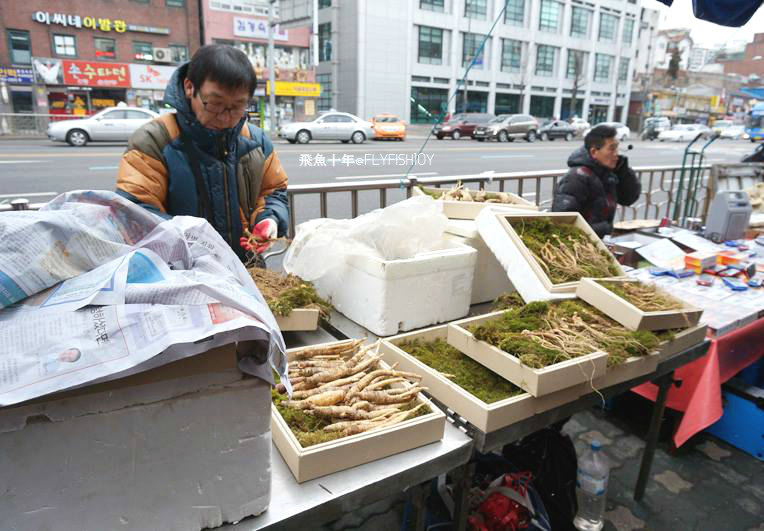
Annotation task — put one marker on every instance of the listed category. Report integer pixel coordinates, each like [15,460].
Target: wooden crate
[471,209]
[538,382]
[682,341]
[300,319]
[347,452]
[572,218]
[622,311]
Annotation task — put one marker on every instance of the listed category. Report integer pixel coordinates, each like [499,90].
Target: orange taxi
[388,126]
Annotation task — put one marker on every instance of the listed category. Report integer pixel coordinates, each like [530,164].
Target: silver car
[113,124]
[329,126]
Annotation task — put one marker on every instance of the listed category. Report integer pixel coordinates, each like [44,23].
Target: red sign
[96,74]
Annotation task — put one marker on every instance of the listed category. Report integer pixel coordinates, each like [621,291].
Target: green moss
[434,194]
[507,301]
[462,370]
[301,296]
[643,296]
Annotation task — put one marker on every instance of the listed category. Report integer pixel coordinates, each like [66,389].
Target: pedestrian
[598,179]
[204,159]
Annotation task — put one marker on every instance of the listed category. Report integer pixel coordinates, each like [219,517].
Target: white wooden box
[299,319]
[682,341]
[622,311]
[347,452]
[537,382]
[471,209]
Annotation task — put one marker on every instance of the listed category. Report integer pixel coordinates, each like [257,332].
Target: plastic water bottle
[591,488]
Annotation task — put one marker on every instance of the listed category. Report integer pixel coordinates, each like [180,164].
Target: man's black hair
[223,64]
[597,136]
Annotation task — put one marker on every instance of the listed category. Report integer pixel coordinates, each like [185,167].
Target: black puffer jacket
[594,190]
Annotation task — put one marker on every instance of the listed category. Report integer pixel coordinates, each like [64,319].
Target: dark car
[507,127]
[461,124]
[557,129]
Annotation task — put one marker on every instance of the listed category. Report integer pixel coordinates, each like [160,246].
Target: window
[470,49]
[542,106]
[143,51]
[114,115]
[623,69]
[179,53]
[511,55]
[325,99]
[545,60]
[602,66]
[430,45]
[324,3]
[138,115]
[507,103]
[549,18]
[515,13]
[579,22]
[325,42]
[175,3]
[432,5]
[576,64]
[105,49]
[476,9]
[64,45]
[608,24]
[428,104]
[20,47]
[628,31]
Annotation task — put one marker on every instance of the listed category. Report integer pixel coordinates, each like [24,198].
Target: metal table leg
[663,383]
[463,482]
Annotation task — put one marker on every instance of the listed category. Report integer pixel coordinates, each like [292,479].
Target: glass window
[608,25]
[325,42]
[143,51]
[507,103]
[20,47]
[175,3]
[545,55]
[476,9]
[472,42]
[549,17]
[325,99]
[105,48]
[576,64]
[515,13]
[623,69]
[432,5]
[324,3]
[428,104]
[628,31]
[579,22]
[511,55]
[179,53]
[602,66]
[430,45]
[542,106]
[113,115]
[64,45]
[138,115]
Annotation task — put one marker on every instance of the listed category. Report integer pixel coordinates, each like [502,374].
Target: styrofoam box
[490,279]
[185,446]
[388,296]
[299,319]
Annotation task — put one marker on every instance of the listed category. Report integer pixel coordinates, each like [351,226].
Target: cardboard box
[537,382]
[148,451]
[347,452]
[300,319]
[471,209]
[628,315]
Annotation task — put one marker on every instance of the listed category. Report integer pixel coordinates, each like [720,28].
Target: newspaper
[121,290]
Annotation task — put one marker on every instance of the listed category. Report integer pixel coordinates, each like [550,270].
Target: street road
[39,169]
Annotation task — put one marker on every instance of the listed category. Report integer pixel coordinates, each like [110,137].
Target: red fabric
[700,396]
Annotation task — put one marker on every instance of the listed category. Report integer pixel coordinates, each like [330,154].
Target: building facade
[87,55]
[539,53]
[669,40]
[645,54]
[700,57]
[751,63]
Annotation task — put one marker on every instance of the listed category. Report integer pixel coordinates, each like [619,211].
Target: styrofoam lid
[466,228]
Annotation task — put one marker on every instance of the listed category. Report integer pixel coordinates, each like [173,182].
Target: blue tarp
[757,93]
[733,13]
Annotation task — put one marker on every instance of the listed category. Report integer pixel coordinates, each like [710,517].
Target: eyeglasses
[219,109]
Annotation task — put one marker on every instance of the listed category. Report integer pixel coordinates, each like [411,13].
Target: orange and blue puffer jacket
[241,171]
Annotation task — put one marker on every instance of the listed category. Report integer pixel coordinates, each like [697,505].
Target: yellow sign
[295,88]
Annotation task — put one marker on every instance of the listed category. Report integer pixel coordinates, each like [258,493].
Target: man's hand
[263,234]
[623,162]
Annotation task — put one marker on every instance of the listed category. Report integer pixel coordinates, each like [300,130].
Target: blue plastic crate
[742,423]
[753,374]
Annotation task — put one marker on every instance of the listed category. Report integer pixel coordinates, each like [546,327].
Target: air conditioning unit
[162,55]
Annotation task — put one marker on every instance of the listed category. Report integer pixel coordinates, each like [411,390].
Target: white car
[622,132]
[329,126]
[113,124]
[684,133]
[734,132]
[580,125]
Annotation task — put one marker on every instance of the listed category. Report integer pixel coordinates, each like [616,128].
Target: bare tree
[578,78]
[674,63]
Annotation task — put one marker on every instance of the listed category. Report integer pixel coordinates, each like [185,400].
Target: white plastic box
[490,279]
[186,446]
[389,296]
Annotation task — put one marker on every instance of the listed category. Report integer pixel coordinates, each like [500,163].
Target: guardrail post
[412,183]
[20,204]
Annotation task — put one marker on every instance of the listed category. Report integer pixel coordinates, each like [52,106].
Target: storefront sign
[48,71]
[96,74]
[150,76]
[599,100]
[148,29]
[94,23]
[256,29]
[20,76]
[289,88]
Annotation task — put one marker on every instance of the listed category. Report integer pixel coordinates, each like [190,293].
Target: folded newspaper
[94,287]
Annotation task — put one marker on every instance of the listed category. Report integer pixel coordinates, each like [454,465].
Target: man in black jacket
[598,179]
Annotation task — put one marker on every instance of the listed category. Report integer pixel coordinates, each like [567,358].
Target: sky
[680,15]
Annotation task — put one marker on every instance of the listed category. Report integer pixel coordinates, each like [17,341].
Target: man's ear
[188,87]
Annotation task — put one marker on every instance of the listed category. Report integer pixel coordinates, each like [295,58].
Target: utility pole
[617,70]
[271,70]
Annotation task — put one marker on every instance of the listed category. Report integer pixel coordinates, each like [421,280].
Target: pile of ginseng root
[344,385]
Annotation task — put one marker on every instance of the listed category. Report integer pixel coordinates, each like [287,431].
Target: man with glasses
[204,159]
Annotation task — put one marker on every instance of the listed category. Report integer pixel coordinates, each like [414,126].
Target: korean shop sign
[96,74]
[94,23]
[256,29]
[21,76]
